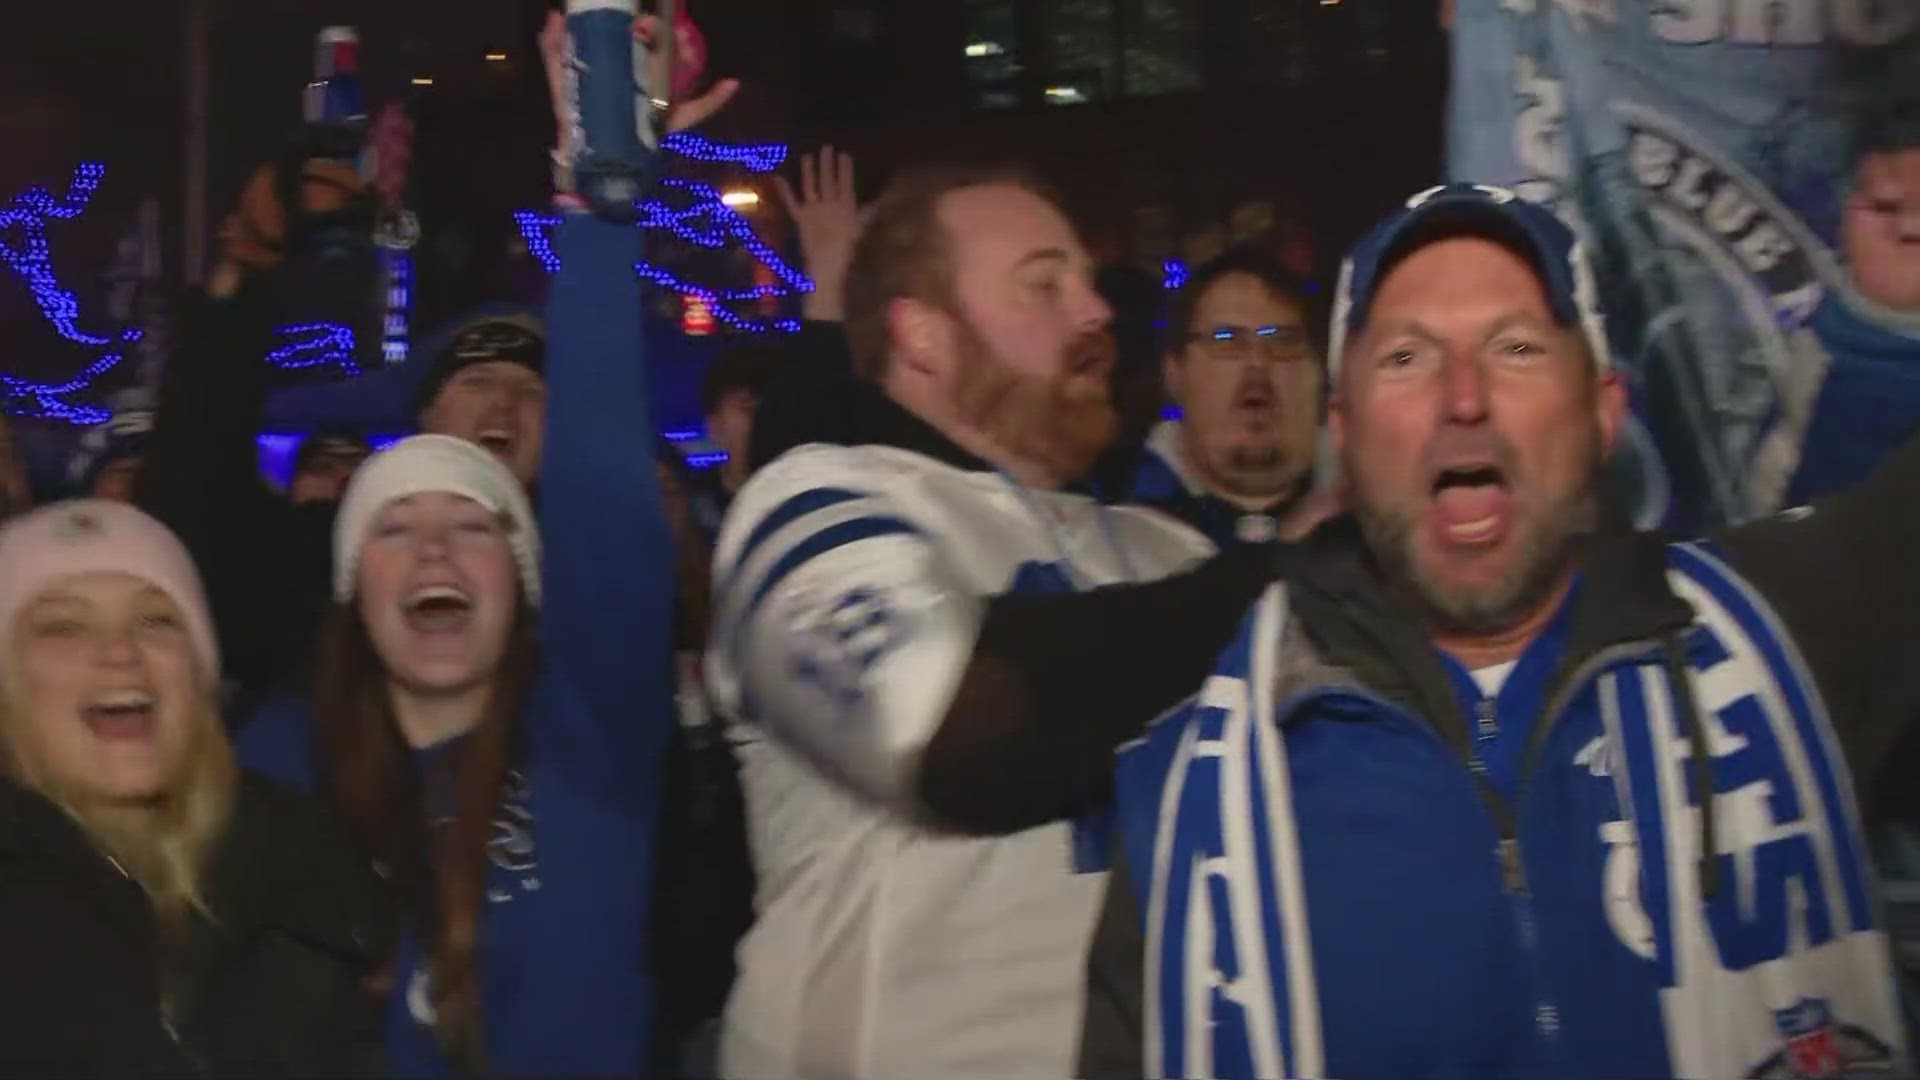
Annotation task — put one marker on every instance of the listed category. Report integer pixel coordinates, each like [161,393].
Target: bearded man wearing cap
[1487,783]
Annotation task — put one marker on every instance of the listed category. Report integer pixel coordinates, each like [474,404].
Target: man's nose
[1464,388]
[1091,310]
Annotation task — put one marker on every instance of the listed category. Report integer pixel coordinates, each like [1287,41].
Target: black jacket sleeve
[266,564]
[1845,577]
[1057,683]
[201,477]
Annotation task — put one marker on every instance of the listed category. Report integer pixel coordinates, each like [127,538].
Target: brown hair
[902,251]
[372,782]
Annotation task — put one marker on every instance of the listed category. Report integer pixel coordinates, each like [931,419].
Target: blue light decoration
[707,223]
[1175,273]
[688,443]
[759,158]
[23,245]
[311,345]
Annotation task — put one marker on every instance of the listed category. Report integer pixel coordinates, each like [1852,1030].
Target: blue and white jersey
[1323,891]
[850,583]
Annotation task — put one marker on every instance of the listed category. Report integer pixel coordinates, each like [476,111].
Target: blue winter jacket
[564,951]
[1344,858]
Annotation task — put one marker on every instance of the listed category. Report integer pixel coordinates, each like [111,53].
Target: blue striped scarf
[1230,979]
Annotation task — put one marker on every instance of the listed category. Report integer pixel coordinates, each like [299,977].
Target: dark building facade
[1172,126]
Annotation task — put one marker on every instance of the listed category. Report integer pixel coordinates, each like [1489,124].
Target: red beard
[1062,424]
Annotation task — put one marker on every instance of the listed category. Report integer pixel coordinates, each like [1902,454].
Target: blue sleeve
[277,743]
[606,623]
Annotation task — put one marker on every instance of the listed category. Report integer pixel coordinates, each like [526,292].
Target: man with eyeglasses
[1246,373]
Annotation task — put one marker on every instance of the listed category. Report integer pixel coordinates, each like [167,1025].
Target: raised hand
[827,214]
[556,53]
[689,61]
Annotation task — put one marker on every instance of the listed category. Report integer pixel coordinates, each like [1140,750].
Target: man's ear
[922,335]
[1610,408]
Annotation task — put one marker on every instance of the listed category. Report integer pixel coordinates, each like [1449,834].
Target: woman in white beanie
[160,914]
[493,701]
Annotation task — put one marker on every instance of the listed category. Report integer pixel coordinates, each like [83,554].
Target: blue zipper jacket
[564,950]
[1341,858]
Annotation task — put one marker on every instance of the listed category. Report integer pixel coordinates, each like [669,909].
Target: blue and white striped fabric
[1322,894]
[1707,148]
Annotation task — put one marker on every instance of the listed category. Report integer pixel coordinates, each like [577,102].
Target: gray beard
[1548,551]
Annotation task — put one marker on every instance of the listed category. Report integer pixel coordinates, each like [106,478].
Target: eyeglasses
[1281,343]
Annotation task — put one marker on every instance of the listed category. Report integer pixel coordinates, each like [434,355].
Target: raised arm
[606,625]
[840,627]
[202,474]
[843,631]
[607,621]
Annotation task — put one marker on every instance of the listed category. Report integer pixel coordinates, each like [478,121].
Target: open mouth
[438,609]
[1092,355]
[123,714]
[496,441]
[1256,397]
[1472,503]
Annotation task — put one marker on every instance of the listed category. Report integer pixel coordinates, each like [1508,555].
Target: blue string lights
[691,210]
[1175,273]
[24,247]
[312,345]
[759,158]
[708,223]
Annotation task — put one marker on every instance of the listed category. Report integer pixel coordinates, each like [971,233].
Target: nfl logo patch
[1813,1046]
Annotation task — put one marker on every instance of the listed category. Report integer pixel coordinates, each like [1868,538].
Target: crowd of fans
[958,725]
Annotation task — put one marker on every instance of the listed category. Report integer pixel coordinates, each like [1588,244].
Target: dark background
[1160,120]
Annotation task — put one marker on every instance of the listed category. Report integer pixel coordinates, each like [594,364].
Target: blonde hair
[170,858]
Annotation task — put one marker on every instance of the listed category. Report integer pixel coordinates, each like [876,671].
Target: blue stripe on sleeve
[833,536]
[786,514]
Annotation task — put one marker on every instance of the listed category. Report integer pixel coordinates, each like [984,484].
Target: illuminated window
[992,52]
[1087,50]
[1083,51]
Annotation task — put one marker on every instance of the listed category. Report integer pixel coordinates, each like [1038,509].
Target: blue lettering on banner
[1785,870]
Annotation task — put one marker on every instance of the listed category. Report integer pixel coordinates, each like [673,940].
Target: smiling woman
[126,834]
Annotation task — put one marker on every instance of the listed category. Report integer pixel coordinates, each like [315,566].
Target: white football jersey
[849,587]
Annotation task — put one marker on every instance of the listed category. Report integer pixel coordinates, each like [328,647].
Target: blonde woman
[160,913]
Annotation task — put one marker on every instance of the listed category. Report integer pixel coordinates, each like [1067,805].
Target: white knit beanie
[426,463]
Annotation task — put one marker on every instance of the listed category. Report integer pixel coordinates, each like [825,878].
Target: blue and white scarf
[1231,989]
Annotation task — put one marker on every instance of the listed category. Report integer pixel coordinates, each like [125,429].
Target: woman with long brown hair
[492,702]
[160,914]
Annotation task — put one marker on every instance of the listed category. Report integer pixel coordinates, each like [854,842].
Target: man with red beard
[1245,370]
[860,591]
